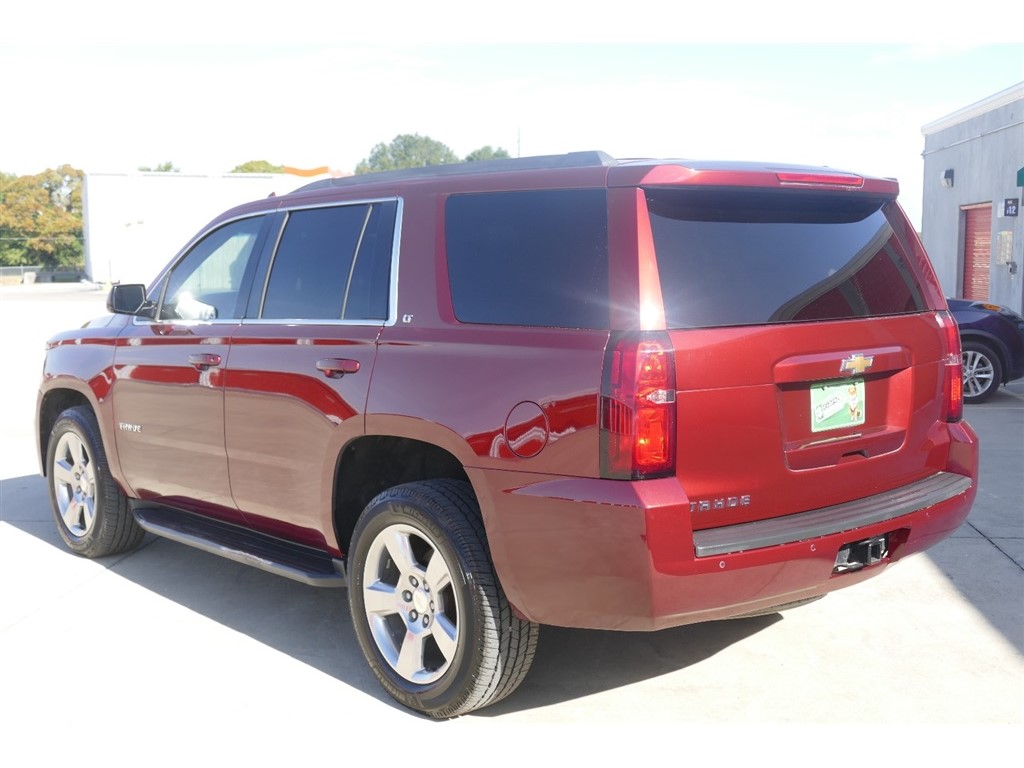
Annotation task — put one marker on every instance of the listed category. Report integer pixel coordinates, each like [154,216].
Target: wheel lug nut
[412,580]
[426,620]
[431,605]
[413,615]
[407,596]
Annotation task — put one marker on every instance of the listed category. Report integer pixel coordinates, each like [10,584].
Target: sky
[193,94]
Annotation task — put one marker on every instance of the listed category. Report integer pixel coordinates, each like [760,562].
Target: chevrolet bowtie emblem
[856,364]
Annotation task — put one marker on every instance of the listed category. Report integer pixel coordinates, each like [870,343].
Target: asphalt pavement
[170,654]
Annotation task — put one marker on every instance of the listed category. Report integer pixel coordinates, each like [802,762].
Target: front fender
[78,370]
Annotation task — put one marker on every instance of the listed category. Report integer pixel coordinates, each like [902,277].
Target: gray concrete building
[971,222]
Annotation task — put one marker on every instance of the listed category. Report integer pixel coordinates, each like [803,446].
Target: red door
[297,380]
[288,415]
[169,408]
[977,251]
[169,385]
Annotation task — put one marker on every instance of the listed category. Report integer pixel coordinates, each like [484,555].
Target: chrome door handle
[203,361]
[335,368]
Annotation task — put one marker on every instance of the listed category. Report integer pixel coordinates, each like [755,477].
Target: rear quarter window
[537,258]
[746,257]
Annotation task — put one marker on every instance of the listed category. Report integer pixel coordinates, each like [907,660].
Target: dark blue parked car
[993,345]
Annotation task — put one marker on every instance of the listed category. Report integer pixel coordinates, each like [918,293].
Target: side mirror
[126,299]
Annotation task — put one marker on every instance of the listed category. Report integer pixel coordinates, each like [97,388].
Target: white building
[135,223]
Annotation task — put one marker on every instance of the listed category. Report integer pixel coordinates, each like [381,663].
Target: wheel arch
[52,403]
[992,342]
[373,463]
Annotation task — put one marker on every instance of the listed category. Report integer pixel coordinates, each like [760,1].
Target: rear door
[806,348]
[300,366]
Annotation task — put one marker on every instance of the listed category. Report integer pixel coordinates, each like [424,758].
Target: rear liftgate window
[741,257]
[535,258]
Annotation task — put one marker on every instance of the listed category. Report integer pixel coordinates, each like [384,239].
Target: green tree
[487,153]
[258,166]
[167,167]
[12,247]
[6,179]
[41,218]
[407,150]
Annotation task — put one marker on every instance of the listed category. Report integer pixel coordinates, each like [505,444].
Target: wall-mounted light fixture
[947,178]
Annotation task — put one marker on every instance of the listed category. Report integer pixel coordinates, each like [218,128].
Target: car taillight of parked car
[953,386]
[638,411]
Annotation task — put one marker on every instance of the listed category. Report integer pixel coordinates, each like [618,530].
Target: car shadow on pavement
[574,663]
[984,559]
[313,625]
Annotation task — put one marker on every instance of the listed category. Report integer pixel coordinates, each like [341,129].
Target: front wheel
[983,372]
[429,613]
[90,510]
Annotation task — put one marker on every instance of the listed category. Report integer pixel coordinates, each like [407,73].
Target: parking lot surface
[169,653]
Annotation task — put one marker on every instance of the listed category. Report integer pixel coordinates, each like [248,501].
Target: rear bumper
[841,518]
[609,554]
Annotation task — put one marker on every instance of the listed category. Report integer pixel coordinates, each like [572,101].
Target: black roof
[540,162]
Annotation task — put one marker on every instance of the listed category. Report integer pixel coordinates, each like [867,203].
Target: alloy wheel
[410,603]
[74,483]
[979,373]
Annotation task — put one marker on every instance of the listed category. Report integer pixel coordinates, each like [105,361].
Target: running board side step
[268,553]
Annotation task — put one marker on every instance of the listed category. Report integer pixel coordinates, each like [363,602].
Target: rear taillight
[953,387]
[638,411]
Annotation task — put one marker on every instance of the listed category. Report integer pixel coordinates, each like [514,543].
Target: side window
[366,297]
[207,283]
[529,258]
[333,264]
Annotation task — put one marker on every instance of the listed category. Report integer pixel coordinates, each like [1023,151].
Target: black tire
[983,373]
[408,638]
[90,509]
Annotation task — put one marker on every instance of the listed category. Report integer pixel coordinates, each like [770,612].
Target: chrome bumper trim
[829,520]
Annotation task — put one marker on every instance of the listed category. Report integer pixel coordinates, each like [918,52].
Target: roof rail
[536,163]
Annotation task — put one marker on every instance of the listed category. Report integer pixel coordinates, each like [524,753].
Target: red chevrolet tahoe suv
[564,390]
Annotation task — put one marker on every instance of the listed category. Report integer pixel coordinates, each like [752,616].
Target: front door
[169,385]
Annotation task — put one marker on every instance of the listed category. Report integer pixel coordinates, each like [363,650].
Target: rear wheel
[983,372]
[90,510]
[430,616]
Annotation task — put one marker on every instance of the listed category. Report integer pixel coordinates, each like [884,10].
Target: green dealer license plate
[837,405]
